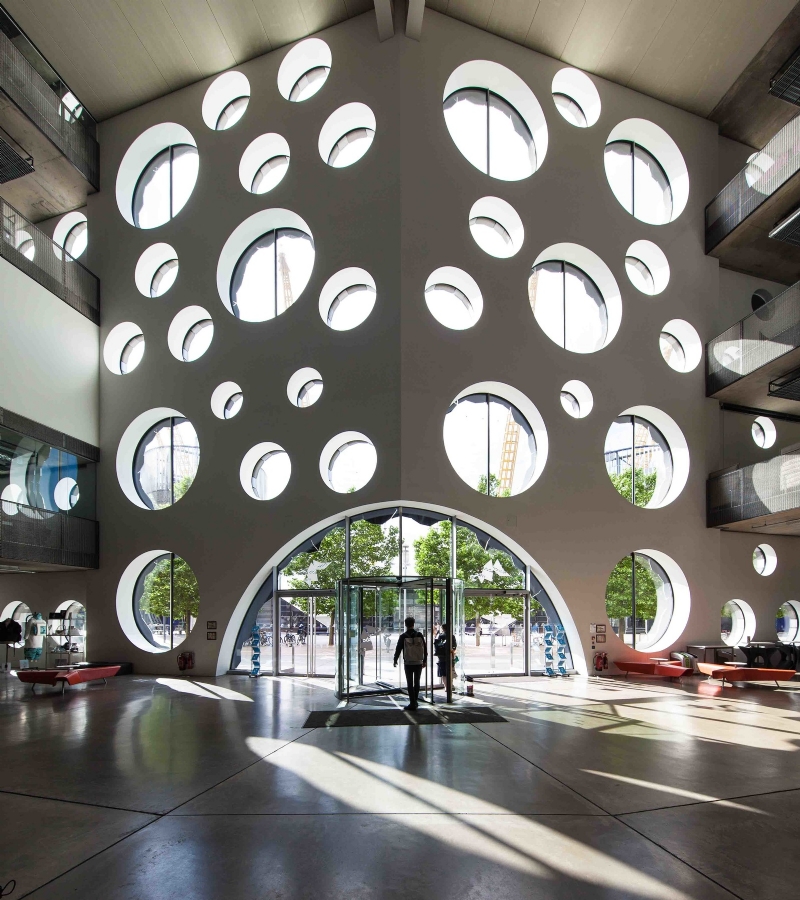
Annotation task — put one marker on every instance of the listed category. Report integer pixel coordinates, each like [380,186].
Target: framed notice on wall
[601,629]
[211,635]
[211,625]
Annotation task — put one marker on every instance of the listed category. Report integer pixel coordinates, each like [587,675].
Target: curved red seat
[660,670]
[743,673]
[64,677]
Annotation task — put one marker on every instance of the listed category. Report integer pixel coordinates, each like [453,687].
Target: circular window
[265,471]
[264,163]
[495,439]
[680,346]
[765,559]
[576,98]
[647,458]
[738,623]
[226,400]
[347,135]
[495,120]
[165,463]
[577,400]
[226,100]
[265,265]
[190,334]
[124,348]
[787,622]
[25,245]
[453,298]
[304,388]
[496,227]
[304,70]
[156,270]
[758,165]
[165,600]
[347,299]
[157,175]
[71,234]
[575,298]
[759,299]
[646,171]
[348,461]
[66,493]
[12,496]
[647,267]
[763,432]
[19,612]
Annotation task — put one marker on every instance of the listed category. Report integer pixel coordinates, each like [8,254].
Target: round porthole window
[304,388]
[639,601]
[123,348]
[347,299]
[787,622]
[226,400]
[25,245]
[71,234]
[264,163]
[764,432]
[190,334]
[496,227]
[348,462]
[156,270]
[226,101]
[495,120]
[265,471]
[765,559]
[576,98]
[347,135]
[66,493]
[680,345]
[304,70]
[647,267]
[737,623]
[576,399]
[453,298]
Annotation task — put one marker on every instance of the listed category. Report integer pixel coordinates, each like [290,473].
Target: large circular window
[347,135]
[737,623]
[347,298]
[348,462]
[453,298]
[304,70]
[639,600]
[265,265]
[226,100]
[495,120]
[576,98]
[496,227]
[646,171]
[575,298]
[765,559]
[265,471]
[647,458]
[156,270]
[495,439]
[123,348]
[787,622]
[157,175]
[264,163]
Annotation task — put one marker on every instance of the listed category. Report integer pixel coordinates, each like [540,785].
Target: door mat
[357,718]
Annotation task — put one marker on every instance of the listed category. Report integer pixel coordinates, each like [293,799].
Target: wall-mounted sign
[211,635]
[211,626]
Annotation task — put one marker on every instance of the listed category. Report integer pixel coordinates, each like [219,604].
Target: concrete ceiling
[117,54]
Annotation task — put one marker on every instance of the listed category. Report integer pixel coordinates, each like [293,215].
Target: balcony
[35,254]
[754,363]
[740,218]
[32,535]
[762,498]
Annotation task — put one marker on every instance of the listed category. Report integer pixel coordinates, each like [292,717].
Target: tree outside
[155,599]
[644,483]
[619,594]
[495,490]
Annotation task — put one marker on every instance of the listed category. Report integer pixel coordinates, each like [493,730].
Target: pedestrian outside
[411,644]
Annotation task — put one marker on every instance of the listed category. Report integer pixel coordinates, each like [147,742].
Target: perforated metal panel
[788,387]
[785,84]
[759,490]
[38,535]
[12,165]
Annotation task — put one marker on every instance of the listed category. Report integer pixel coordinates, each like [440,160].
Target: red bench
[743,673]
[64,677]
[660,670]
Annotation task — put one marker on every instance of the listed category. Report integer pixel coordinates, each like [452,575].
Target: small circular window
[165,463]
[737,623]
[765,559]
[25,244]
[680,345]
[304,70]
[66,493]
[639,600]
[347,299]
[347,135]
[496,227]
[265,471]
[453,298]
[156,270]
[576,98]
[576,399]
[226,101]
[227,399]
[764,432]
[71,234]
[124,348]
[166,600]
[759,300]
[264,163]
[647,267]
[348,462]
[787,622]
[304,388]
[190,334]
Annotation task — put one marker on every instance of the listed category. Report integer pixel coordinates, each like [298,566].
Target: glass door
[306,644]
[494,641]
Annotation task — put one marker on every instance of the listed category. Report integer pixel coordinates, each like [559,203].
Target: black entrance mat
[425,715]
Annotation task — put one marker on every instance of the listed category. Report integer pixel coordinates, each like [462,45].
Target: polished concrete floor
[178,787]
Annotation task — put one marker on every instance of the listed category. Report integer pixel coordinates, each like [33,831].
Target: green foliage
[182,486]
[619,596]
[494,488]
[645,485]
[185,591]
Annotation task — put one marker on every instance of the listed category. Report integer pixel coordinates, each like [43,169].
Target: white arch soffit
[263,148]
[65,225]
[600,274]
[482,73]
[115,342]
[307,55]
[677,445]
[300,378]
[240,611]
[180,326]
[465,283]
[149,144]
[252,456]
[220,396]
[681,600]
[339,282]
[127,449]
[505,214]
[655,140]
[243,235]
[224,89]
[342,120]
[690,341]
[125,615]
[581,89]
[149,263]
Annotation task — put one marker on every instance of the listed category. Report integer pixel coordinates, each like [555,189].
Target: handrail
[42,535]
[754,341]
[762,489]
[37,255]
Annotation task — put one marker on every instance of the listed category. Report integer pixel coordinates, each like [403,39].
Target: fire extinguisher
[186,660]
[600,662]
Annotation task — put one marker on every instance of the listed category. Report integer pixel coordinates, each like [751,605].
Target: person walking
[412,645]
[444,645]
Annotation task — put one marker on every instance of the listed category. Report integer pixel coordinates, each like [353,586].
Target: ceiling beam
[416,9]
[384,15]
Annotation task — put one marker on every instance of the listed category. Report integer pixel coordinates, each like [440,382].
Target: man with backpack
[415,656]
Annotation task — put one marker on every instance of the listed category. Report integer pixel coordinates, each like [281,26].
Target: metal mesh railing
[766,171]
[39,535]
[75,137]
[758,490]
[34,253]
[757,339]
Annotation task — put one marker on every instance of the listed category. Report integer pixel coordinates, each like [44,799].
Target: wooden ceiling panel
[242,28]
[552,25]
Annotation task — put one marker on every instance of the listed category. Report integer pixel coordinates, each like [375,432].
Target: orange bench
[660,670]
[743,673]
[64,677]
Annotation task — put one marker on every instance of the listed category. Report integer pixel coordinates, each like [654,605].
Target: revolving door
[371,613]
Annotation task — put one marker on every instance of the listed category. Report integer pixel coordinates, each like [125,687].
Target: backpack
[413,649]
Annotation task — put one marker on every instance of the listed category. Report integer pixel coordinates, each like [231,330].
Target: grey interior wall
[735,297]
[732,159]
[401,212]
